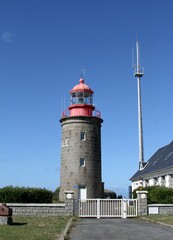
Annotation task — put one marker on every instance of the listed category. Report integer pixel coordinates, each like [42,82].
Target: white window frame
[82,162]
[82,136]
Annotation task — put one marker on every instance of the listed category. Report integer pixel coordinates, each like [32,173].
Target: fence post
[142,202]
[69,202]
[98,207]
[124,208]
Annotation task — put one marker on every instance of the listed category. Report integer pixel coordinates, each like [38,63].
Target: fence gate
[98,208]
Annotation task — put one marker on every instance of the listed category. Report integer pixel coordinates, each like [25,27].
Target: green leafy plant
[17,194]
[55,198]
[157,194]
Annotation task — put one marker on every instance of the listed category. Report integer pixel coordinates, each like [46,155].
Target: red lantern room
[81,100]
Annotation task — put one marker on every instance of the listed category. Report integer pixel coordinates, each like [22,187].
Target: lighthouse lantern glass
[81,98]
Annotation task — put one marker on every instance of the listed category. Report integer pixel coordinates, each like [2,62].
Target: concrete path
[119,229]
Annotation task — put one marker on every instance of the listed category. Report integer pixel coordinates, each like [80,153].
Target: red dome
[81,87]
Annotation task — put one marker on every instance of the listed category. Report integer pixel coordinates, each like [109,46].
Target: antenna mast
[82,73]
[138,73]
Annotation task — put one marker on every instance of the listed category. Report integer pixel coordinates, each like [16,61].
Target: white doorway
[82,192]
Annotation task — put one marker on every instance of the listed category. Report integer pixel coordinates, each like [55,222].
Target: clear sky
[44,44]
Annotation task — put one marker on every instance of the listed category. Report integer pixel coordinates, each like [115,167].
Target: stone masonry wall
[165,209]
[73,175]
[43,210]
[142,202]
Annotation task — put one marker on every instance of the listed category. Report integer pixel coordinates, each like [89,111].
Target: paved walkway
[119,229]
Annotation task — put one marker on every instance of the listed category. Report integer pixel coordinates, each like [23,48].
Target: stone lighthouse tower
[81,146]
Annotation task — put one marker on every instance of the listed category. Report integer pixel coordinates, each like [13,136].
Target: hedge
[17,194]
[157,194]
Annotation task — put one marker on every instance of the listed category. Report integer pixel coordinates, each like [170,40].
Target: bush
[157,194]
[109,194]
[55,198]
[17,194]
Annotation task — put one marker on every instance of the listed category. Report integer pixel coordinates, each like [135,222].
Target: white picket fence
[98,208]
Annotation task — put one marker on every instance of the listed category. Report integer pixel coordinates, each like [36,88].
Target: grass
[166,219]
[33,228]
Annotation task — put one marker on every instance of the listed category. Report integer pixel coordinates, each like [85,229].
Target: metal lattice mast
[139,72]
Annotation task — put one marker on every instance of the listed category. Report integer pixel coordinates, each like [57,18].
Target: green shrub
[17,194]
[55,198]
[157,194]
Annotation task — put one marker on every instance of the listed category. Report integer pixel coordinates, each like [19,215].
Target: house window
[82,162]
[82,136]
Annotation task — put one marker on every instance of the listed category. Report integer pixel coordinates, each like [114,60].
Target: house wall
[168,181]
[156,180]
[136,184]
[152,182]
[161,181]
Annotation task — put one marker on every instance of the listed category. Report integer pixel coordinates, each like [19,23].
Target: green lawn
[33,228]
[167,219]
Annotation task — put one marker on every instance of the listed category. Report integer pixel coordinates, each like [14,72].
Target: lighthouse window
[80,97]
[79,94]
[73,98]
[80,100]
[87,98]
[82,162]
[82,136]
[86,94]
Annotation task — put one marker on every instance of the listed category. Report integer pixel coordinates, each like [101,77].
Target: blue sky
[43,47]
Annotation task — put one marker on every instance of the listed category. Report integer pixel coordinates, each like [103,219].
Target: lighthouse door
[82,192]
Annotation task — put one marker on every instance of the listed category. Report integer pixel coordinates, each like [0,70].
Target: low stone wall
[165,209]
[43,210]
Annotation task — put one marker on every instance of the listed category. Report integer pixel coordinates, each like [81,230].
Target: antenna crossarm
[138,71]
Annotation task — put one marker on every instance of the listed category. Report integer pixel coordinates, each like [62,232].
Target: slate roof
[161,160]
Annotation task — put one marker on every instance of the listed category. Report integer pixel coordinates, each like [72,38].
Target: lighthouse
[81,146]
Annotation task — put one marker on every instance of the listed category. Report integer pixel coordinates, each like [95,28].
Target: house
[157,171]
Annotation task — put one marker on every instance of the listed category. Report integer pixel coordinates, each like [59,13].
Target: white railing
[108,208]
[131,206]
[88,208]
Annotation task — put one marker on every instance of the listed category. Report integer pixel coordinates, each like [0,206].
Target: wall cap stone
[35,204]
[68,191]
[142,192]
[69,194]
[159,205]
